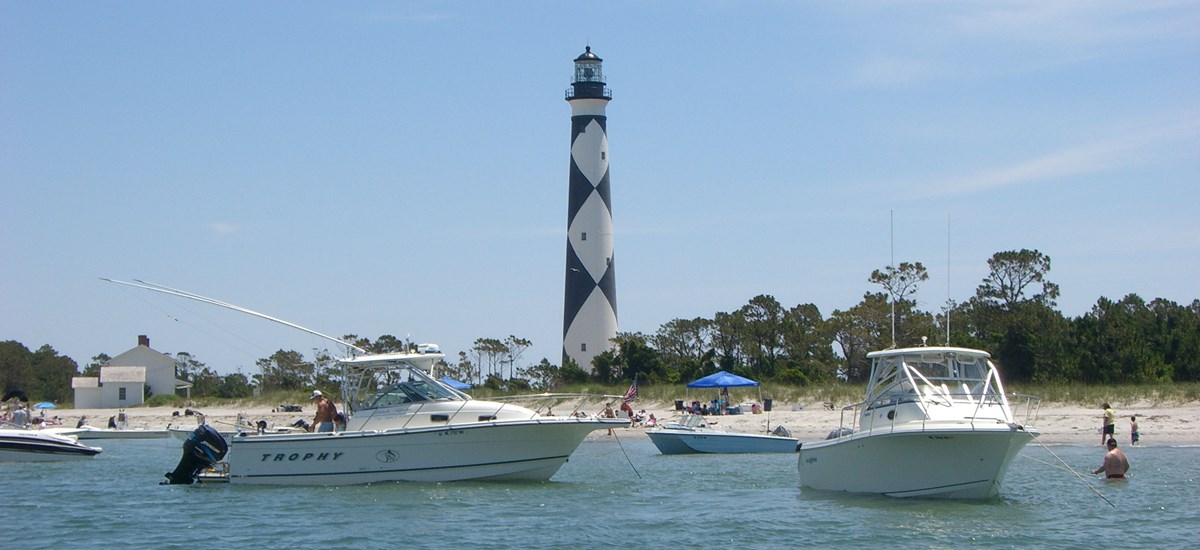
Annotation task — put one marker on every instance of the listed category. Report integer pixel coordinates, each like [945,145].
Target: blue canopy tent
[723,380]
[460,386]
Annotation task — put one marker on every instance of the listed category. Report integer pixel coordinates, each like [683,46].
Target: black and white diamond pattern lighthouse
[590,309]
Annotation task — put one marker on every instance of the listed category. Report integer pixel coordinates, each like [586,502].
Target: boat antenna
[949,301]
[892,265]
[185,294]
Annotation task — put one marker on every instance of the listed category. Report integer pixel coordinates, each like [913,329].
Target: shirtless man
[1115,464]
[323,422]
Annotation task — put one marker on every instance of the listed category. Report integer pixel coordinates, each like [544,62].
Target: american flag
[631,393]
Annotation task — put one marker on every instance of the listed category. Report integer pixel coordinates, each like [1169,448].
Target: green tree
[899,283]
[1019,326]
[684,347]
[542,376]
[92,369]
[762,334]
[284,370]
[860,330]
[637,358]
[1012,273]
[490,355]
[235,386]
[514,347]
[806,346]
[728,333]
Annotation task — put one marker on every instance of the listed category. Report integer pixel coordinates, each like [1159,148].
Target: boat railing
[1025,407]
[547,401]
[1024,410]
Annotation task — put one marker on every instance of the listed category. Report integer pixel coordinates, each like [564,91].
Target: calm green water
[597,500]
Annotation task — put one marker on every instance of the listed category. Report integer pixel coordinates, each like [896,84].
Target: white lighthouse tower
[590,308]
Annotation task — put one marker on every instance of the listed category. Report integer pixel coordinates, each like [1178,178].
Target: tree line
[1012,315]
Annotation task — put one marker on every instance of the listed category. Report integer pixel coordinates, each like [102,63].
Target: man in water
[1115,464]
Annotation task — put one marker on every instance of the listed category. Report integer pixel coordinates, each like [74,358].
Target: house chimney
[143,340]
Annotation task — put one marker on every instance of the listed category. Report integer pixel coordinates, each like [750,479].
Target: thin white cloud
[1086,158]
[890,71]
[963,41]
[224,228]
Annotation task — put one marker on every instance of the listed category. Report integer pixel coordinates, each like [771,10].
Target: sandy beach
[1063,424]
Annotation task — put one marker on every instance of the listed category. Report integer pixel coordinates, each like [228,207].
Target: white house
[125,378]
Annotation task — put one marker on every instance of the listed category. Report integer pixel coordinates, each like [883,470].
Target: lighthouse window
[583,346]
[603,155]
[583,236]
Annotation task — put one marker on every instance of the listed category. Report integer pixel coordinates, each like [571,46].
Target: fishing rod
[1072,470]
[627,459]
[203,299]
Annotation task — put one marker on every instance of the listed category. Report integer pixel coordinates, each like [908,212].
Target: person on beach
[82,422]
[326,411]
[20,418]
[1134,436]
[1109,425]
[1115,463]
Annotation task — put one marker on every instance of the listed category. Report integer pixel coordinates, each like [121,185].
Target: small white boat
[18,445]
[90,432]
[405,425]
[935,423]
[693,434]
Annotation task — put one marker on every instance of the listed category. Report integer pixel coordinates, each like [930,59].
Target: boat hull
[674,442]
[31,446]
[949,462]
[108,433]
[523,450]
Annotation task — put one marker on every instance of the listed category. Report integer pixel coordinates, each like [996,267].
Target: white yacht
[404,425]
[935,423]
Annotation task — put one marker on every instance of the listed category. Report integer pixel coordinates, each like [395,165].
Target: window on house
[121,394]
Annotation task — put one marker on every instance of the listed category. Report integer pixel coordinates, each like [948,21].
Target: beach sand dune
[1159,424]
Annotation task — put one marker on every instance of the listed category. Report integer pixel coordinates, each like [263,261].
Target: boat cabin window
[397,387]
[413,391]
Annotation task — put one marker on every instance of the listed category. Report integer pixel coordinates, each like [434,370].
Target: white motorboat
[693,434]
[91,432]
[935,423]
[404,425]
[19,445]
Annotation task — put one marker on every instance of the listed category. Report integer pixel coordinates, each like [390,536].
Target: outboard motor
[202,449]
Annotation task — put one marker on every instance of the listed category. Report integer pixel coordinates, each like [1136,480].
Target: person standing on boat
[326,411]
[1115,463]
[1108,428]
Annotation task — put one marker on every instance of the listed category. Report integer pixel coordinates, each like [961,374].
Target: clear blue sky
[401,168]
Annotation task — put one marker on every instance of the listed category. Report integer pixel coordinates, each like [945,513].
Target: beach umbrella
[45,405]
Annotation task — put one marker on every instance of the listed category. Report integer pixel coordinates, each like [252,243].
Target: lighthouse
[590,307]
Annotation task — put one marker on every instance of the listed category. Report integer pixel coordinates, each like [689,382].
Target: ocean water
[614,493]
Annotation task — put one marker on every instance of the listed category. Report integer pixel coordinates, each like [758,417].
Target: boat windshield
[391,385]
[955,374]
